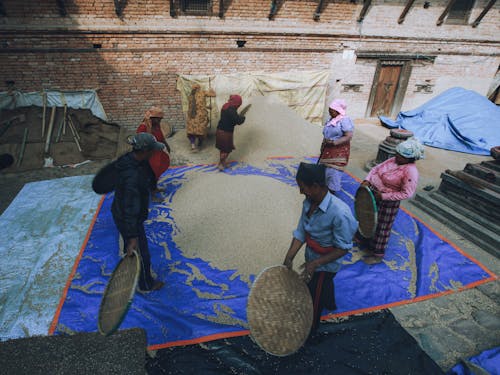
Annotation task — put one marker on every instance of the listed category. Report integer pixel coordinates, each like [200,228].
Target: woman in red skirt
[160,161]
[229,118]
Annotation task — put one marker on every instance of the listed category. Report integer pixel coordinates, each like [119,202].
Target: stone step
[471,230]
[458,206]
[491,164]
[475,190]
[474,181]
[490,175]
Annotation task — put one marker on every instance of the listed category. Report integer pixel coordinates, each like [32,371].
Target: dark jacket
[229,118]
[130,204]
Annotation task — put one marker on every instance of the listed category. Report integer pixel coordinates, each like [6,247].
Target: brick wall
[142,52]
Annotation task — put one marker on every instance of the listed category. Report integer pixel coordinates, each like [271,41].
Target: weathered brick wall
[144,51]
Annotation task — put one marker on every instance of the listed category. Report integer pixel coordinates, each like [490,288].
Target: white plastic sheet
[305,92]
[85,99]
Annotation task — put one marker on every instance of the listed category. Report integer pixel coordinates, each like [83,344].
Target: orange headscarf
[152,112]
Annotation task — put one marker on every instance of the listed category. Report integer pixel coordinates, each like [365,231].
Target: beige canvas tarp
[305,92]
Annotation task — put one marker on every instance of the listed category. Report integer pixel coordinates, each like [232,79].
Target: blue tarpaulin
[487,361]
[458,120]
[200,302]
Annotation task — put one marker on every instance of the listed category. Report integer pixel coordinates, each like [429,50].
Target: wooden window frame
[184,10]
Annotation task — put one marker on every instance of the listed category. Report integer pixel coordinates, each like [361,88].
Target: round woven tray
[279,311]
[118,294]
[365,209]
[104,181]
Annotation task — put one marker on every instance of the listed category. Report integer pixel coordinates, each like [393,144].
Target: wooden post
[44,100]
[49,130]
[75,134]
[23,146]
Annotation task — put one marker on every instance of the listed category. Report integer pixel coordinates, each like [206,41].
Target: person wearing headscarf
[392,181]
[197,116]
[336,146]
[160,160]
[229,118]
[327,227]
[130,206]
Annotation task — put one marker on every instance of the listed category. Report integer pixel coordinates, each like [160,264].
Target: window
[460,12]
[196,6]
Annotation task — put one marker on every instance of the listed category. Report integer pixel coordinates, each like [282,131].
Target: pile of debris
[37,137]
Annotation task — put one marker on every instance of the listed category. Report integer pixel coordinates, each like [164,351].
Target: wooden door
[386,86]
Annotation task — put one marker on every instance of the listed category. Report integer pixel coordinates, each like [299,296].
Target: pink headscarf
[340,106]
[234,101]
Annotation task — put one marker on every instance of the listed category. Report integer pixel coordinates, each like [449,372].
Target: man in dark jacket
[130,205]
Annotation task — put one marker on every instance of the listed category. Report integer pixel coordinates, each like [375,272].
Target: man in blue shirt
[327,226]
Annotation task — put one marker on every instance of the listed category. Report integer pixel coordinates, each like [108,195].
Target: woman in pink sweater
[392,181]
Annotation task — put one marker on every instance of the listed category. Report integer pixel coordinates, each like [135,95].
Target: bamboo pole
[62,124]
[49,130]
[75,134]
[74,127]
[23,146]
[44,100]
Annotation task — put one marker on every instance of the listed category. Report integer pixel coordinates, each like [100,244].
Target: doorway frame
[399,95]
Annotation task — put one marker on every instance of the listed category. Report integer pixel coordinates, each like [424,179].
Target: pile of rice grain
[236,222]
[271,128]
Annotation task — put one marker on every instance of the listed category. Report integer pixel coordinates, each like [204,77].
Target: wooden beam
[275,7]
[364,10]
[319,8]
[483,13]
[445,12]
[173,13]
[407,8]
[273,10]
[119,7]
[221,8]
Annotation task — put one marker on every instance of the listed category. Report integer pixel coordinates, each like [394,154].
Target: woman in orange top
[160,161]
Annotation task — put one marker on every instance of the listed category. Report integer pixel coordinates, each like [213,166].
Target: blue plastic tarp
[200,302]
[487,361]
[458,120]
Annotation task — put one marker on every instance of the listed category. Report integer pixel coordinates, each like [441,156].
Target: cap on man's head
[145,142]
[311,173]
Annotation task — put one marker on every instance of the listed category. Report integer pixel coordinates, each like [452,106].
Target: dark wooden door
[385,89]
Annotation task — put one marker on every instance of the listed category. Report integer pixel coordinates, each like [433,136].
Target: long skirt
[224,141]
[323,294]
[335,156]
[387,211]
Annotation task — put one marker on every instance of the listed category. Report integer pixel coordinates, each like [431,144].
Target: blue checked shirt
[331,224]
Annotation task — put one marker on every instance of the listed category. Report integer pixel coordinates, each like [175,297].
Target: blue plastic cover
[458,120]
[488,361]
[201,303]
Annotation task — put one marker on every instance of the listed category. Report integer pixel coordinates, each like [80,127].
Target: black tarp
[368,344]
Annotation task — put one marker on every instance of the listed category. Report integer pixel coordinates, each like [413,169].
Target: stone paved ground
[447,328]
